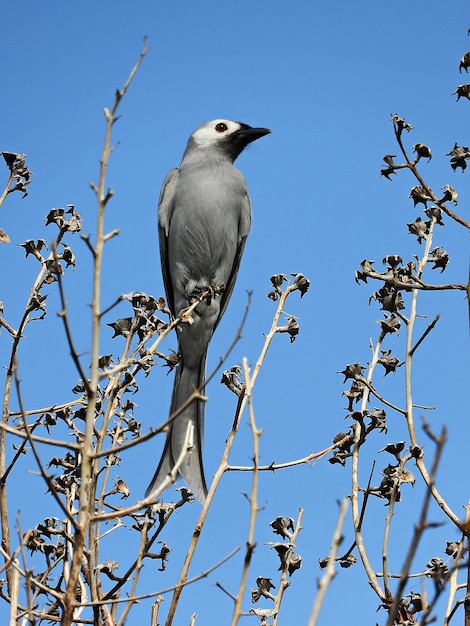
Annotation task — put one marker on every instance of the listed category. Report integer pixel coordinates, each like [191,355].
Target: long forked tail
[189,423]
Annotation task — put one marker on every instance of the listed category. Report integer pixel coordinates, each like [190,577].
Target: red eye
[221,127]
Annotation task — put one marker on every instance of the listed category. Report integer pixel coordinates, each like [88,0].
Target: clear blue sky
[325,77]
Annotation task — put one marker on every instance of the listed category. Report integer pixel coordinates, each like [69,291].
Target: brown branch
[38,284]
[412,167]
[284,583]
[63,314]
[87,486]
[253,500]
[417,283]
[37,438]
[7,326]
[418,532]
[324,583]
[228,446]
[272,467]
[425,334]
[47,478]
[170,589]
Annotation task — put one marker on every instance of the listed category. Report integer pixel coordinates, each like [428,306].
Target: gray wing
[165,209]
[243,230]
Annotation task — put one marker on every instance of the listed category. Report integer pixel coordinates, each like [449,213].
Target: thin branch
[50,409]
[387,529]
[7,326]
[418,532]
[418,284]
[63,314]
[38,284]
[412,167]
[47,478]
[272,467]
[345,556]
[420,463]
[162,592]
[425,334]
[228,446]
[375,393]
[324,583]
[453,582]
[37,438]
[137,569]
[21,449]
[357,520]
[7,189]
[151,499]
[87,487]
[284,583]
[253,499]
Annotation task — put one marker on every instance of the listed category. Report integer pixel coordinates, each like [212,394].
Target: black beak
[247,134]
[242,137]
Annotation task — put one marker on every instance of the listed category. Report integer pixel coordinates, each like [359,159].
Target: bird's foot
[205,294]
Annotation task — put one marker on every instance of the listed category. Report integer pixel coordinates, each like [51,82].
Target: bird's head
[224,137]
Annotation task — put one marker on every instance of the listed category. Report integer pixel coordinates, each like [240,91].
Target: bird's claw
[205,293]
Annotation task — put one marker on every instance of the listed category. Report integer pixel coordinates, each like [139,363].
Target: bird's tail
[184,431]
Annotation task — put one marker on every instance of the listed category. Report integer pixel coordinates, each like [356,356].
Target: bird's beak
[248,134]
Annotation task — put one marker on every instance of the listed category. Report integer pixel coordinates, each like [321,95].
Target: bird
[204,217]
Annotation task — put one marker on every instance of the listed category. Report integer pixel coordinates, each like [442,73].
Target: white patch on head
[212,132]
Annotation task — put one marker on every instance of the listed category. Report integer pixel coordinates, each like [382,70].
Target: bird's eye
[221,127]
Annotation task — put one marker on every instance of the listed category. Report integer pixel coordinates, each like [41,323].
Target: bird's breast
[204,229]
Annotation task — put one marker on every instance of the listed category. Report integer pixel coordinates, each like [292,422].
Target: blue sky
[324,77]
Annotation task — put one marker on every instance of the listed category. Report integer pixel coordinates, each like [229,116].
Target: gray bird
[204,216]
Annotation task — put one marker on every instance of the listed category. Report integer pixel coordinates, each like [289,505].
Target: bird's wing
[165,209]
[243,230]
